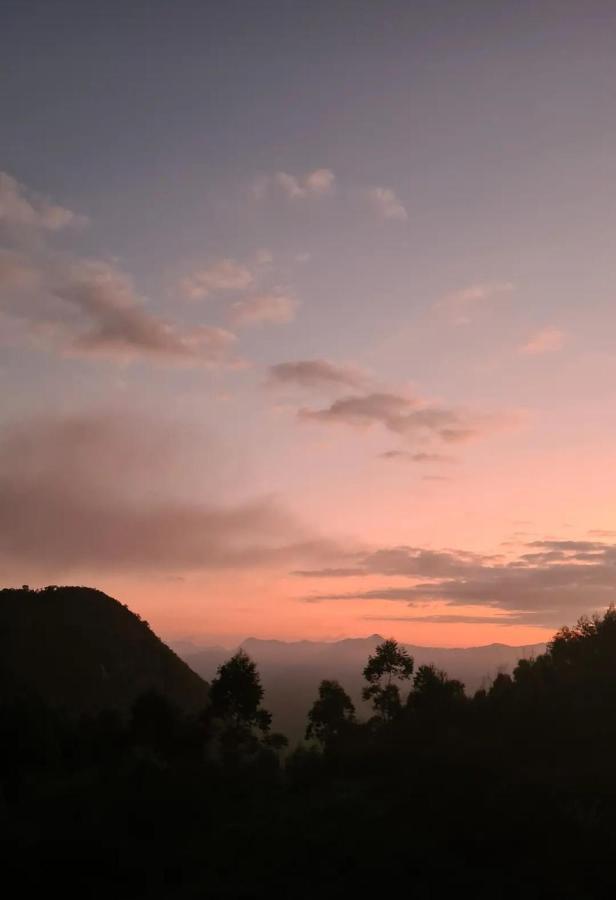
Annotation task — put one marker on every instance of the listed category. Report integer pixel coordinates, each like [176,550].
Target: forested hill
[79,649]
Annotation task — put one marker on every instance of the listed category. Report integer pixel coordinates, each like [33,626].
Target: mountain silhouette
[81,650]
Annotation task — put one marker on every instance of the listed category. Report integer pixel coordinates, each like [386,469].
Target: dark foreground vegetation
[510,793]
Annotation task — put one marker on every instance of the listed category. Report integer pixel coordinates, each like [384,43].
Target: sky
[307,313]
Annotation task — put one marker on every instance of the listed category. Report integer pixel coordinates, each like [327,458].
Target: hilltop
[79,649]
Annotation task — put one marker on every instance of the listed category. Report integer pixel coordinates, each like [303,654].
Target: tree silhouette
[276,740]
[390,662]
[331,713]
[236,694]
[435,695]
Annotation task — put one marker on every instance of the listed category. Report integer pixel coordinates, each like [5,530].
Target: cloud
[76,494]
[223,275]
[403,414]
[120,325]
[264,257]
[274,308]
[453,619]
[408,456]
[547,340]
[86,306]
[386,204]
[20,208]
[400,414]
[409,562]
[90,307]
[16,272]
[315,373]
[557,581]
[297,187]
[460,306]
[270,306]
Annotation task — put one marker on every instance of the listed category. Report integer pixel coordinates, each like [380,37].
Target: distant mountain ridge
[79,649]
[353,647]
[291,670]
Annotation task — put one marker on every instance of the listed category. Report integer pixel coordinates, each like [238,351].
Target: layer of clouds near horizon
[76,493]
[548,580]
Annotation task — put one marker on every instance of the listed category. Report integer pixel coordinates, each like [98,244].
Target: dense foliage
[509,793]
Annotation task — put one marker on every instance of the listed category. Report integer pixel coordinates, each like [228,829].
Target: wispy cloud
[116,322]
[223,275]
[408,456]
[17,273]
[91,307]
[316,373]
[546,340]
[273,308]
[22,208]
[297,187]
[386,204]
[74,305]
[459,307]
[402,415]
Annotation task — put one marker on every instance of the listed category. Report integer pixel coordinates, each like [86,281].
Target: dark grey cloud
[403,415]
[315,373]
[340,572]
[408,456]
[571,547]
[453,619]
[77,494]
[413,562]
[542,587]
